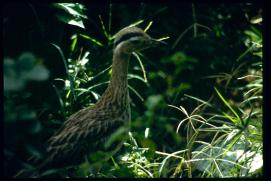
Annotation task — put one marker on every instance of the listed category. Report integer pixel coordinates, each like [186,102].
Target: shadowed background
[205,40]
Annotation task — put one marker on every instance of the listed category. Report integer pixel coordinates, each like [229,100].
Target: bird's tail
[27,173]
[30,171]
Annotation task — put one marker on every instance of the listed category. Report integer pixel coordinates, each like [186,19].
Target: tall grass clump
[224,136]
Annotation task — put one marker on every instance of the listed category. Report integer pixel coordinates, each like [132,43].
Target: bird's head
[134,39]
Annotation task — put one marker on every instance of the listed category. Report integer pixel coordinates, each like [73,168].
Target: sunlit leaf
[76,21]
[74,42]
[147,130]
[74,9]
[227,104]
[148,26]
[92,40]
[256,19]
[85,59]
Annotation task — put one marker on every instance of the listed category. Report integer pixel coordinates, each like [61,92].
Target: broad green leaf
[74,9]
[76,21]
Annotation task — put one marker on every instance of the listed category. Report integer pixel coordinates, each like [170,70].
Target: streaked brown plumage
[86,130]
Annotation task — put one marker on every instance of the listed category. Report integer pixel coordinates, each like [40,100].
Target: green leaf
[38,73]
[135,23]
[257,32]
[147,131]
[67,70]
[97,156]
[116,136]
[83,170]
[92,39]
[153,101]
[103,27]
[183,87]
[259,54]
[72,14]
[133,76]
[199,100]
[148,143]
[256,19]
[26,61]
[62,107]
[141,66]
[76,21]
[228,105]
[74,42]
[136,93]
[74,9]
[148,26]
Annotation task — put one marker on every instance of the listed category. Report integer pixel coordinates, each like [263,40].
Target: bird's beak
[155,42]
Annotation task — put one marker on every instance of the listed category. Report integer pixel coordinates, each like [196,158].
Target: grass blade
[67,70]
[227,104]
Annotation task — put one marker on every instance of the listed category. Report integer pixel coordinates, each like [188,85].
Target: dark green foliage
[196,103]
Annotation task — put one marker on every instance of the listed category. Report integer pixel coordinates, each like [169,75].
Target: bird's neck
[116,93]
[119,69]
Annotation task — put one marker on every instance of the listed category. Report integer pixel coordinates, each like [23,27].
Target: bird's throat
[117,90]
[119,70]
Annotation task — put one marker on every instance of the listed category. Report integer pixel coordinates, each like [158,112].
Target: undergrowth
[217,137]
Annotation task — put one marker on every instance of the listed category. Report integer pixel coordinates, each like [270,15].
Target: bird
[87,130]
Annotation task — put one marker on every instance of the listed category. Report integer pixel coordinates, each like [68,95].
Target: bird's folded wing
[79,132]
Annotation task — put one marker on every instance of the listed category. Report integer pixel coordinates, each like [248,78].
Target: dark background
[29,27]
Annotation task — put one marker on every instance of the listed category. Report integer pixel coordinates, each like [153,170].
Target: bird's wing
[84,127]
[84,123]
